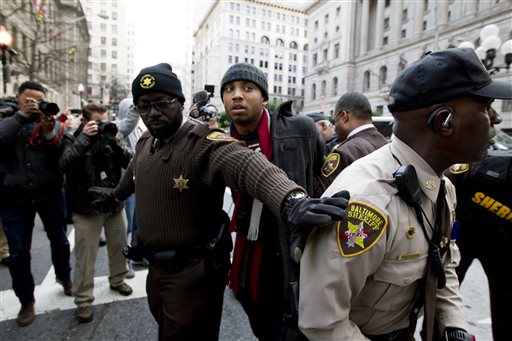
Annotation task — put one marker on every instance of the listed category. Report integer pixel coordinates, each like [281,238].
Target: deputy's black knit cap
[157,78]
[442,76]
[245,71]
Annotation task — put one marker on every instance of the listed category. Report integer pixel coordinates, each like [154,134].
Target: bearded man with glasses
[179,174]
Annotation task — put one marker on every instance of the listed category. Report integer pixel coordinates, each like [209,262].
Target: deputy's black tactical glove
[102,196]
[302,214]
[457,334]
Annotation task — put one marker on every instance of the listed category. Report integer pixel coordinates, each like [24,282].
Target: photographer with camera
[202,110]
[30,182]
[94,156]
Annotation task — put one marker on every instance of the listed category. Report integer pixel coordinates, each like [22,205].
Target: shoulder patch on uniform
[459,168]
[331,163]
[219,136]
[361,228]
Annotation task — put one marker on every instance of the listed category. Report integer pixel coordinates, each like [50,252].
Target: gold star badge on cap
[180,183]
[147,81]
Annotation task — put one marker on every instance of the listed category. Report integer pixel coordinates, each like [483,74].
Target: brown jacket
[180,187]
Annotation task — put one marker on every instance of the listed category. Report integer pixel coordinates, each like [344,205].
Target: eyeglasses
[160,106]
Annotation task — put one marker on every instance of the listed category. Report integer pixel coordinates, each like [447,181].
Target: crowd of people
[339,233]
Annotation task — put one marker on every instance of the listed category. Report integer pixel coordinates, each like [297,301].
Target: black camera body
[107,129]
[200,100]
[48,108]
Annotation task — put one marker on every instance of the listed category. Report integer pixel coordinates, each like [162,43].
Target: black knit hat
[245,71]
[442,76]
[157,78]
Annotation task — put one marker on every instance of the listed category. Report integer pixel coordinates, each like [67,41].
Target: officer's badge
[411,232]
[147,81]
[331,163]
[430,185]
[180,183]
[459,168]
[361,228]
[219,136]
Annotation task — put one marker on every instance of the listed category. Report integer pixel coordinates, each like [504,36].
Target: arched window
[366,81]
[322,89]
[313,91]
[265,40]
[279,43]
[335,86]
[383,76]
[293,45]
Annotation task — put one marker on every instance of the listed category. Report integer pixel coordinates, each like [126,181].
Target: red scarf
[241,242]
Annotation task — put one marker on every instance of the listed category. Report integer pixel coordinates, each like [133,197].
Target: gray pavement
[128,318]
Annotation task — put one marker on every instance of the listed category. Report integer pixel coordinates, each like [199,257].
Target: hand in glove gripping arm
[302,214]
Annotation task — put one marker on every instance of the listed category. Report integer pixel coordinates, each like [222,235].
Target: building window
[326,19]
[404,15]
[103,53]
[386,23]
[424,25]
[316,24]
[506,105]
[366,81]
[103,40]
[114,41]
[326,54]
[313,91]
[335,86]
[404,33]
[280,43]
[385,40]
[315,59]
[338,9]
[293,45]
[114,54]
[265,40]
[383,75]
[103,67]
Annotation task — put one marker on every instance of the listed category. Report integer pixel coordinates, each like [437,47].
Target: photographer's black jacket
[92,161]
[29,173]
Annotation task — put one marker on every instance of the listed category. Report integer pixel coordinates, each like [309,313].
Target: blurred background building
[363,45]
[48,43]
[268,34]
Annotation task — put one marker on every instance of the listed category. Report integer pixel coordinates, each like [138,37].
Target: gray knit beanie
[245,71]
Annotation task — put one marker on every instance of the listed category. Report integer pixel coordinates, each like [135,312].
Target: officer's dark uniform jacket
[29,172]
[354,147]
[180,186]
[483,192]
[92,161]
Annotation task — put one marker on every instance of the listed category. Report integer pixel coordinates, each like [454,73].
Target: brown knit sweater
[180,187]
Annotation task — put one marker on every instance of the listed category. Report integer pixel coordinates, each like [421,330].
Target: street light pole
[5,45]
[81,91]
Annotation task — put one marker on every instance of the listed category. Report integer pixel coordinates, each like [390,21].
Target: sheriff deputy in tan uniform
[359,277]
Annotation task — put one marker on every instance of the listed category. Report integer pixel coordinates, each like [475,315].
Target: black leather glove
[102,196]
[304,214]
[457,334]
